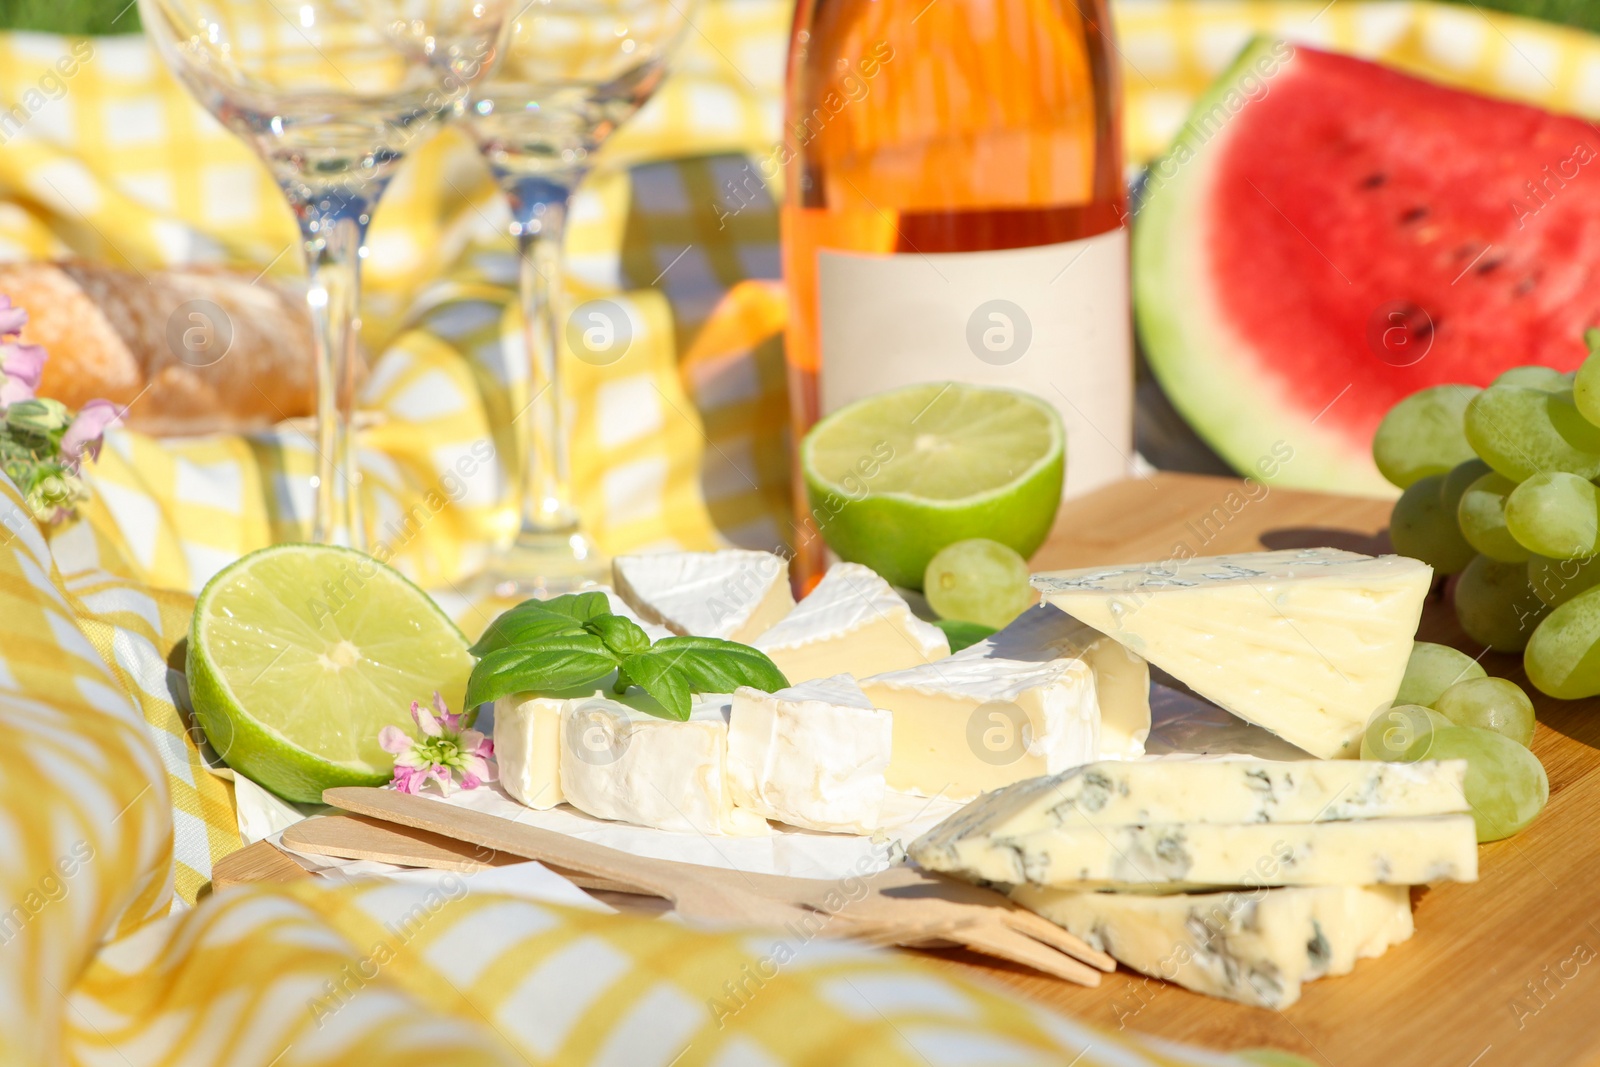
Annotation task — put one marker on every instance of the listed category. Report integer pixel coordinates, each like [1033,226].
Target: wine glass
[331,94]
[572,71]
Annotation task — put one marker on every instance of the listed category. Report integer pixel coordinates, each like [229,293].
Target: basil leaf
[564,661]
[533,619]
[621,635]
[658,676]
[963,634]
[525,622]
[580,606]
[713,665]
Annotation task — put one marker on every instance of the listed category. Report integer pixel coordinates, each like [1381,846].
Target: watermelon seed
[1372,181]
[1414,214]
[1489,266]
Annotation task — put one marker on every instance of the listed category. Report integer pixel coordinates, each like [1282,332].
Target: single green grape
[978,580]
[1482,518]
[1555,514]
[1563,657]
[1534,377]
[1586,387]
[1461,476]
[1497,704]
[1431,670]
[1506,785]
[1421,528]
[1557,581]
[1402,733]
[1521,431]
[1423,434]
[1496,605]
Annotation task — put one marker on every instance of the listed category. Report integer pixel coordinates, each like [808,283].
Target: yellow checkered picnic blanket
[111,822]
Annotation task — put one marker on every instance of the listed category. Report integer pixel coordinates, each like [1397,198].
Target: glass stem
[539,211]
[332,243]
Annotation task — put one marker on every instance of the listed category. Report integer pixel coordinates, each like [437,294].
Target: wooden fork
[902,905]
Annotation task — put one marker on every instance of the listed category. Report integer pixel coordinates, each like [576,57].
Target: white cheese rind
[812,755]
[1360,852]
[622,763]
[1221,790]
[852,623]
[1256,947]
[1121,683]
[733,594]
[1023,702]
[527,744]
[1307,643]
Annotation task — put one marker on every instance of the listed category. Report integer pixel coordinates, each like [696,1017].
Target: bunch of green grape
[1500,491]
[1448,708]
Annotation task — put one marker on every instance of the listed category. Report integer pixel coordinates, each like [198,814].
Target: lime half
[895,477]
[300,654]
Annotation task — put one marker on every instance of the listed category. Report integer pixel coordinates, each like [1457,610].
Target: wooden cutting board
[1502,971]
[1505,970]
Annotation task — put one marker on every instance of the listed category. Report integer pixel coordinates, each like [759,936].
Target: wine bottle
[954,210]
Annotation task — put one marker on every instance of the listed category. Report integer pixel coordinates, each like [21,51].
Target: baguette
[191,350]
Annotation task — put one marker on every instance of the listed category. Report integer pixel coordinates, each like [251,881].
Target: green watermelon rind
[1193,354]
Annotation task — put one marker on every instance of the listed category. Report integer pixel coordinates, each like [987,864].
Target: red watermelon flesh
[1295,257]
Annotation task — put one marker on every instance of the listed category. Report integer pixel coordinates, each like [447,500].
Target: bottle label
[1052,320]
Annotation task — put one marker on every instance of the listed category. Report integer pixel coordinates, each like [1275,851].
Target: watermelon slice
[1328,236]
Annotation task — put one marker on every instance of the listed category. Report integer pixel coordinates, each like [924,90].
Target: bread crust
[191,351]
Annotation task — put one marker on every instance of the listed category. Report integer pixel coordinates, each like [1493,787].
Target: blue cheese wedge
[732,594]
[622,760]
[813,755]
[1307,643]
[853,623]
[1256,947]
[1360,852]
[1221,789]
[1044,694]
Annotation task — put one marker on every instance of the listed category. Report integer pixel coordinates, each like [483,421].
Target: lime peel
[299,655]
[895,477]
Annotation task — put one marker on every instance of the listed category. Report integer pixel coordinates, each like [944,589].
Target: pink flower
[412,779]
[23,362]
[12,319]
[88,430]
[477,760]
[13,390]
[447,719]
[443,751]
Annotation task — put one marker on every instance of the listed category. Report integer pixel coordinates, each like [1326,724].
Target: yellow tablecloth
[110,822]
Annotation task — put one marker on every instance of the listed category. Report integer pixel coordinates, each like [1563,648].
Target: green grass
[116,16]
[70,16]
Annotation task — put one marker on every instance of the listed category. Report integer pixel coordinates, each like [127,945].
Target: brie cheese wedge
[619,761]
[731,593]
[1254,947]
[812,755]
[853,623]
[527,745]
[1307,643]
[1021,703]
